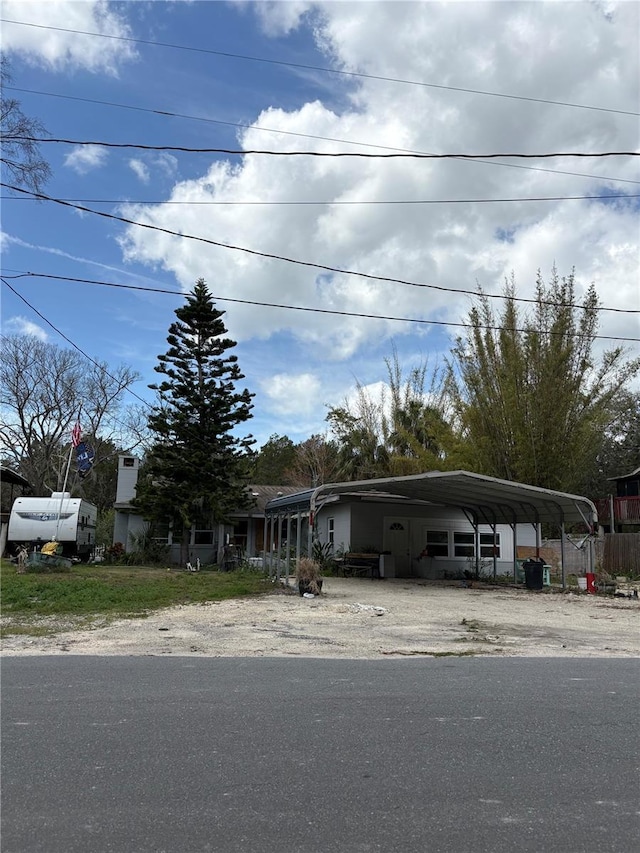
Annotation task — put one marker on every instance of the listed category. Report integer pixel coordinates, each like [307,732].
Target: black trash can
[533,572]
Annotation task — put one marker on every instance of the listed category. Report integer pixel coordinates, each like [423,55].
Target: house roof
[262,495]
[9,476]
[489,499]
[635,473]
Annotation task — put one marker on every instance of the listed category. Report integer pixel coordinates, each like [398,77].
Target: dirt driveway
[364,619]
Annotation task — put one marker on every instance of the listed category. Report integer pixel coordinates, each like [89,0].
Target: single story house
[243,533]
[431,525]
[11,478]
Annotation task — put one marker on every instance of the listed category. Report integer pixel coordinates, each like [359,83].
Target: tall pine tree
[196,468]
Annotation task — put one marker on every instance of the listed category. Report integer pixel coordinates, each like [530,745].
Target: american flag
[76,435]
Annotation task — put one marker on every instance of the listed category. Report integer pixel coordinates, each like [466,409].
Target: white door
[396,540]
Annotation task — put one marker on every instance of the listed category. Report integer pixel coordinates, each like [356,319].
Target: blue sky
[297,363]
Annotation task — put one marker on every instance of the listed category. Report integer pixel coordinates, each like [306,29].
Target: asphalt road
[448,755]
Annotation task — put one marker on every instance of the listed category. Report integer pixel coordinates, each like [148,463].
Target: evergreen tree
[272,461]
[196,469]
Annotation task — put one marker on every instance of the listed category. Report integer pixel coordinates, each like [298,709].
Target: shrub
[309,575]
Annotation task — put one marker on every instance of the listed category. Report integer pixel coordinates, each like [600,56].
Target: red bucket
[591,582]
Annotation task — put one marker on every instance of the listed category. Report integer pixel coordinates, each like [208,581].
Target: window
[486,545]
[241,533]
[464,544]
[437,543]
[203,537]
[331,530]
[128,462]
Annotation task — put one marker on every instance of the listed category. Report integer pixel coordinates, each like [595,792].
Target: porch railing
[626,510]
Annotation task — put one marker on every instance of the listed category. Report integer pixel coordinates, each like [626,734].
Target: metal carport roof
[488,499]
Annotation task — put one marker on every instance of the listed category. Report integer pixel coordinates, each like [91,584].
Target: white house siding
[367,527]
[341,515]
[127,525]
[128,467]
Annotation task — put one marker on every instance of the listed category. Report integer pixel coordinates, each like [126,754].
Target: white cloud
[59,50]
[140,169]
[167,163]
[278,18]
[569,52]
[21,326]
[85,158]
[290,393]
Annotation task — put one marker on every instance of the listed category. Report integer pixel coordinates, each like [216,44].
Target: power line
[336,312]
[246,151]
[82,352]
[331,202]
[69,341]
[169,114]
[306,67]
[271,256]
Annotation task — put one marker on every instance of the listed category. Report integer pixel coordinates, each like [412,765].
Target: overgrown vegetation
[309,575]
[531,397]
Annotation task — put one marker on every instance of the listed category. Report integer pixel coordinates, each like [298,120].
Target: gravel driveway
[356,618]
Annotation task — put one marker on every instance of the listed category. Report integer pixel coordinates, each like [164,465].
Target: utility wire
[335,312]
[330,202]
[245,151]
[254,252]
[68,340]
[310,136]
[82,352]
[325,70]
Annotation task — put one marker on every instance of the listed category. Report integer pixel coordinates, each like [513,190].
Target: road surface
[447,755]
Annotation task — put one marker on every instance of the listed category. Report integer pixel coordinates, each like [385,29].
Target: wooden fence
[621,554]
[615,554]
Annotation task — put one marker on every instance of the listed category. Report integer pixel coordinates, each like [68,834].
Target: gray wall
[361,525]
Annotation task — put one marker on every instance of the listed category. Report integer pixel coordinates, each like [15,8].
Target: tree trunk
[184,546]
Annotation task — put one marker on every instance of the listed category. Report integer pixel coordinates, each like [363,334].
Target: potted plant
[308,575]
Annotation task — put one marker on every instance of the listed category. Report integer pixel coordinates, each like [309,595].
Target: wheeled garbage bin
[533,573]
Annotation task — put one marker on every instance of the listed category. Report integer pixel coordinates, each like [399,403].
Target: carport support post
[272,546]
[264,544]
[312,517]
[278,545]
[298,532]
[514,527]
[288,563]
[268,543]
[562,563]
[494,528]
[476,530]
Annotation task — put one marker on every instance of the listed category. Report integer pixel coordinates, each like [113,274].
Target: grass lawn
[114,590]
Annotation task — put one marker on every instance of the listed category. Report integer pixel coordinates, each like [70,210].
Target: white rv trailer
[34,521]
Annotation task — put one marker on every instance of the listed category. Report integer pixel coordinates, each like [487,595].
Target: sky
[357,77]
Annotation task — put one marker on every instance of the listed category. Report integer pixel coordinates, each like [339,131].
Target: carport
[483,500]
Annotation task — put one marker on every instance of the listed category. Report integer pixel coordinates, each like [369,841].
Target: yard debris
[368,608]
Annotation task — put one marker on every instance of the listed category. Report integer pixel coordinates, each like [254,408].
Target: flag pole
[74,437]
[64,489]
